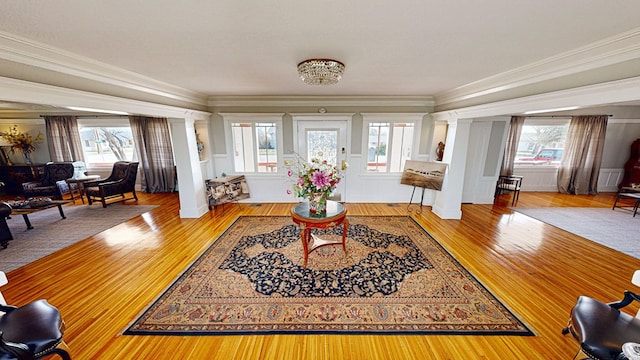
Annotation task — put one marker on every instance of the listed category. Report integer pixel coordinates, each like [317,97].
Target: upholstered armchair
[53,182]
[5,232]
[603,330]
[114,188]
[32,331]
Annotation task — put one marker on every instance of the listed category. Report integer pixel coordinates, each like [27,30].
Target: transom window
[389,143]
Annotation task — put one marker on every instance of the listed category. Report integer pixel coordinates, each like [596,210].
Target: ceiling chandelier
[320,71]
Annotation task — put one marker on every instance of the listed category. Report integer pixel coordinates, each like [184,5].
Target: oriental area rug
[394,279]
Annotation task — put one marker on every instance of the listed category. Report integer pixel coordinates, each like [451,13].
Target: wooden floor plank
[102,283]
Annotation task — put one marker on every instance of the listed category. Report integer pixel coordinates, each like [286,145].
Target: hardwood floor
[102,283]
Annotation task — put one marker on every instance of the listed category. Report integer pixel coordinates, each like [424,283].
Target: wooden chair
[52,184]
[509,183]
[32,331]
[602,329]
[121,181]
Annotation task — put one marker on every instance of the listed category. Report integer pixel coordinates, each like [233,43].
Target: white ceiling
[251,47]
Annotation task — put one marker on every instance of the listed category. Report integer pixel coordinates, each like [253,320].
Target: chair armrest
[17,350]
[31,184]
[108,183]
[5,211]
[628,299]
[7,308]
[93,183]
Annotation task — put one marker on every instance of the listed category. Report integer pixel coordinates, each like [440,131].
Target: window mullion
[390,147]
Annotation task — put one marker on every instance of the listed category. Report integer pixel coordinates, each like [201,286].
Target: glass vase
[318,204]
[27,157]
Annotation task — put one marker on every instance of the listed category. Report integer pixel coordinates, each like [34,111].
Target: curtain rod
[91,116]
[558,116]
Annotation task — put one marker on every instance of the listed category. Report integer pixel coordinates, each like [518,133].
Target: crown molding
[322,116]
[583,97]
[12,90]
[292,101]
[29,52]
[610,51]
[261,116]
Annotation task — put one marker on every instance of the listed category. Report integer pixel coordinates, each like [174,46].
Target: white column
[447,204]
[193,202]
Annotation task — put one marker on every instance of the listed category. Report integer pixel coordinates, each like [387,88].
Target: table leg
[81,191]
[71,193]
[305,236]
[26,221]
[345,226]
[61,211]
[615,202]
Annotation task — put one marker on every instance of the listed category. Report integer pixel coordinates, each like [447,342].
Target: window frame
[253,119]
[391,118]
[105,122]
[543,121]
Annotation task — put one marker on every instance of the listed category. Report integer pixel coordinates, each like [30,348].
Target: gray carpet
[51,232]
[616,229]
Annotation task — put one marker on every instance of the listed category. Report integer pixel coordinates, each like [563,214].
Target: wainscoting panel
[609,179]
[538,178]
[545,179]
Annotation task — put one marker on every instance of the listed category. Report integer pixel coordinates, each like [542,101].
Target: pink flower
[288,191]
[320,179]
[289,173]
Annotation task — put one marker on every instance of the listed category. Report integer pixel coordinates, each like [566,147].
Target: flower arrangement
[23,142]
[315,181]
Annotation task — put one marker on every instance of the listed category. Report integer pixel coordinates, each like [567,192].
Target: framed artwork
[226,189]
[427,175]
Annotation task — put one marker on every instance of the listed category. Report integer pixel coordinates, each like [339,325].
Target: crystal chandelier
[320,71]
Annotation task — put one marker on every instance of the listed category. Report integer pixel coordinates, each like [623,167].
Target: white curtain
[580,165]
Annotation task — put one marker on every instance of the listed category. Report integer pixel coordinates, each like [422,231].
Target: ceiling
[252,47]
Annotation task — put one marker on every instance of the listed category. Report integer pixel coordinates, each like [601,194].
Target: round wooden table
[79,181]
[336,215]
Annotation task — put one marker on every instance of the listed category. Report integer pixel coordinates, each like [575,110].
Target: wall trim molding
[29,52]
[426,102]
[613,50]
[607,93]
[36,93]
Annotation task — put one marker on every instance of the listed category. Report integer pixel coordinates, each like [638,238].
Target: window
[103,145]
[389,143]
[255,144]
[542,142]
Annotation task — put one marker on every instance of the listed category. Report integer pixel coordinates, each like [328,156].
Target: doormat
[394,279]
